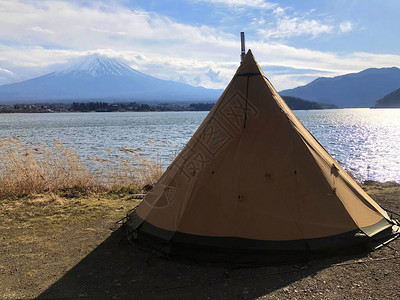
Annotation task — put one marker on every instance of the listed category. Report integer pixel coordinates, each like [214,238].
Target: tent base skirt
[249,251]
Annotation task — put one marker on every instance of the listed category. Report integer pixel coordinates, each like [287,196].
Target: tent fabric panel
[160,206]
[362,212]
[164,204]
[324,155]
[212,204]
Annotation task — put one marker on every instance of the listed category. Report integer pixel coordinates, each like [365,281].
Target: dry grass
[28,168]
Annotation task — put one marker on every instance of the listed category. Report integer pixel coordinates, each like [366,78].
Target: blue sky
[197,41]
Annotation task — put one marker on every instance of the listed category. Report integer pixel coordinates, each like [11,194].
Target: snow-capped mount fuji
[98,78]
[97,66]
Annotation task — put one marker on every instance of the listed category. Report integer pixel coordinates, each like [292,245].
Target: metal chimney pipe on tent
[243,53]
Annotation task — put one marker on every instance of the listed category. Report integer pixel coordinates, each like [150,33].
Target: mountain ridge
[102,78]
[360,89]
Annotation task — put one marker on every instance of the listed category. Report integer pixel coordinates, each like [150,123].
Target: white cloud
[6,76]
[42,30]
[213,75]
[346,26]
[244,3]
[286,81]
[162,47]
[258,21]
[284,26]
[108,31]
[279,11]
[287,27]
[91,27]
[8,72]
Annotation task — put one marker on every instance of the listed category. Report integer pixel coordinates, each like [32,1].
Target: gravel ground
[50,250]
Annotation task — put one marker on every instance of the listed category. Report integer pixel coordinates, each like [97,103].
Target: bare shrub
[27,168]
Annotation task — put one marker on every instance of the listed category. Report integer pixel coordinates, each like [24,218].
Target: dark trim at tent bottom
[241,250]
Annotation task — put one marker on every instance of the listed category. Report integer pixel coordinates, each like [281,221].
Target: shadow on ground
[122,270]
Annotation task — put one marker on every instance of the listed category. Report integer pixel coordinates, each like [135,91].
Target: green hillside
[391,100]
[300,104]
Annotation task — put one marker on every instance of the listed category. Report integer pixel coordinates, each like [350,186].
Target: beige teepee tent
[253,184]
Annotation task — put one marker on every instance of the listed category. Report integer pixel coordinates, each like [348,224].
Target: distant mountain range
[391,100]
[361,89]
[99,78]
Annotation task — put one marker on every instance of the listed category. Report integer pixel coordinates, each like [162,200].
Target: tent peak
[249,65]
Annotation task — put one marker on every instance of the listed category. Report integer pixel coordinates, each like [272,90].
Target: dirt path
[69,248]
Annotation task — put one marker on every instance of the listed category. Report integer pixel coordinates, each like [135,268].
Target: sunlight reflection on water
[365,142]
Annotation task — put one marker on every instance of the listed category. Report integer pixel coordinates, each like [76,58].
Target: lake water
[364,141]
